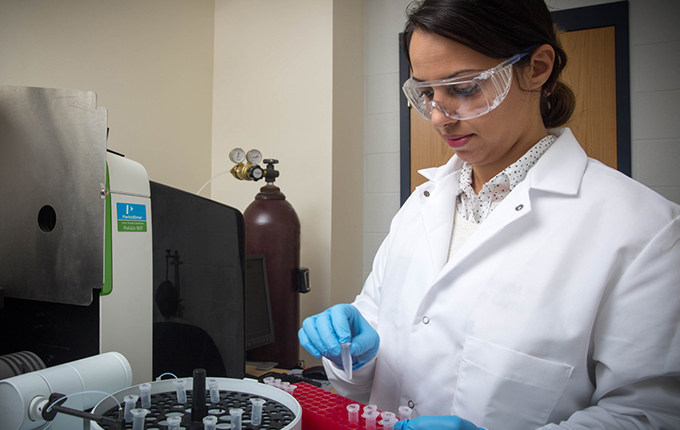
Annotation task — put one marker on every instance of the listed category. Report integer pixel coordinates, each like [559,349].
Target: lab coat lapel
[438,201]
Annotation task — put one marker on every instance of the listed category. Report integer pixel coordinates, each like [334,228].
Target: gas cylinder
[272,228]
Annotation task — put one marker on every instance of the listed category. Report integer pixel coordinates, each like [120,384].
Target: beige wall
[288,81]
[150,63]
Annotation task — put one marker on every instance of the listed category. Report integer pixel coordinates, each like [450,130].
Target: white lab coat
[564,305]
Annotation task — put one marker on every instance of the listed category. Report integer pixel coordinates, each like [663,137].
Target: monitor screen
[259,324]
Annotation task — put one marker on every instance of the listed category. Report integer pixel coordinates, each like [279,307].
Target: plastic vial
[353,413]
[346,359]
[138,415]
[145,393]
[388,423]
[256,414]
[130,402]
[209,422]
[181,390]
[370,417]
[370,408]
[405,412]
[174,423]
[236,418]
[214,391]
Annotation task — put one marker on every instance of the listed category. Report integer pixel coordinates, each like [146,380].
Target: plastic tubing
[236,418]
[256,414]
[214,391]
[130,402]
[209,422]
[145,393]
[353,413]
[174,423]
[346,359]
[138,416]
[181,390]
[405,412]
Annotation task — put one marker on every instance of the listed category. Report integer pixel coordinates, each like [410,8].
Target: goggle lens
[462,98]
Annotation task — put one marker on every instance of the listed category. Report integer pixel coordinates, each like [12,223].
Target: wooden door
[596,71]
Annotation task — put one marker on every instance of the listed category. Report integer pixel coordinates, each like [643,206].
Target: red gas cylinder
[273,229]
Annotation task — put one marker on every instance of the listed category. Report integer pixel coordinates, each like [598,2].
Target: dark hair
[498,29]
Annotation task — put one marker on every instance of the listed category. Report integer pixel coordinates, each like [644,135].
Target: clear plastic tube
[174,423]
[370,417]
[353,413]
[214,391]
[346,359]
[388,423]
[130,402]
[138,416]
[181,390]
[210,422]
[145,394]
[236,418]
[405,412]
[256,414]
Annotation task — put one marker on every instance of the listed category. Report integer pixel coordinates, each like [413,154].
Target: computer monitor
[259,324]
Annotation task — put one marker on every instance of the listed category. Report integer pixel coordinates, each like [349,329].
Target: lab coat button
[519,208]
[426,320]
[426,193]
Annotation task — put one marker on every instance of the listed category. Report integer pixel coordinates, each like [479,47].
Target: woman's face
[492,141]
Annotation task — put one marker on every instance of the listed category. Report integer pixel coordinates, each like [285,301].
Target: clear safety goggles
[462,97]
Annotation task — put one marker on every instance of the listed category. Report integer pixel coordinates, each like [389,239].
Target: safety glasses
[462,97]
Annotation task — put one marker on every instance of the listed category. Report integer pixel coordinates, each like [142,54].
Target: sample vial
[236,418]
[214,391]
[174,423]
[130,402]
[209,422]
[370,417]
[353,413]
[388,423]
[405,412]
[256,414]
[138,415]
[181,391]
[145,393]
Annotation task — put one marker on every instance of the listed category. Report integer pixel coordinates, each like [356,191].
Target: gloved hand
[322,334]
[448,422]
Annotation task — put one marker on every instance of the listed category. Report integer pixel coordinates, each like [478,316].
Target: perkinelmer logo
[131,217]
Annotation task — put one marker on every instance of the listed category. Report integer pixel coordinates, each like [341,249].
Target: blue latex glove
[322,334]
[448,422]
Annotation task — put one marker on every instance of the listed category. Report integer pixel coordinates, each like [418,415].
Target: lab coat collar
[559,170]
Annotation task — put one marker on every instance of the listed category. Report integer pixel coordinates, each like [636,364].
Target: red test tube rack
[323,410]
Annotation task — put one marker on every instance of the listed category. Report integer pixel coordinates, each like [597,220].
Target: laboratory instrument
[279,410]
[75,248]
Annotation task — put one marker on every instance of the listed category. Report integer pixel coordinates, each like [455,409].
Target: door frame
[582,18]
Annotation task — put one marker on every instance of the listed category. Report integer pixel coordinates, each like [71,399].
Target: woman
[524,285]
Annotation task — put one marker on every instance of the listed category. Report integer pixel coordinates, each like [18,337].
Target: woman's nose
[439,118]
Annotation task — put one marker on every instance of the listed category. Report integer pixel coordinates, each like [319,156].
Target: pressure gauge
[237,155]
[254,156]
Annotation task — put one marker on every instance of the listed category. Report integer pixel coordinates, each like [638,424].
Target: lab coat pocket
[499,388]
